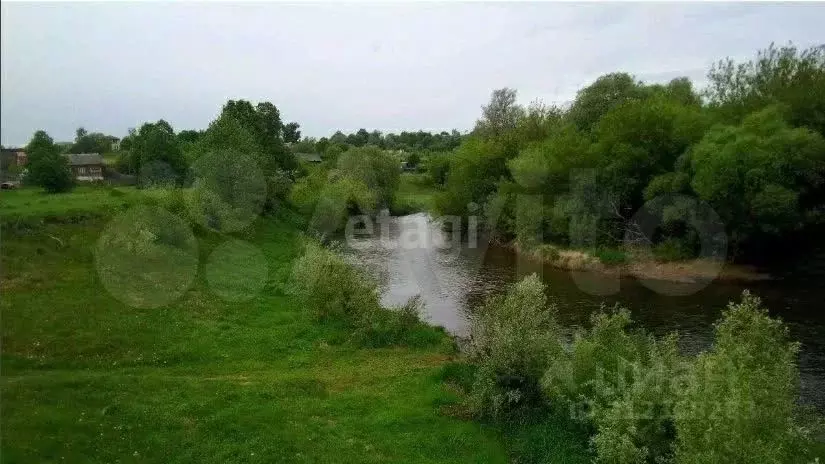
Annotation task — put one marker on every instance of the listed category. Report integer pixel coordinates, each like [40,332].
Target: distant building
[13,157]
[309,157]
[86,166]
[12,161]
[407,167]
[115,143]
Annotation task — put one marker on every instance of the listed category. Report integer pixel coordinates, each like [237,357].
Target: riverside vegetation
[309,367]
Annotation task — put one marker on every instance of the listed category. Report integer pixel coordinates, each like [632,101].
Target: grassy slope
[87,379]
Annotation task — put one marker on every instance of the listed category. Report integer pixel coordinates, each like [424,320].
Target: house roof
[84,159]
[309,157]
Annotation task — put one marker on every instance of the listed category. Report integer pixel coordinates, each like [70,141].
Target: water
[454,280]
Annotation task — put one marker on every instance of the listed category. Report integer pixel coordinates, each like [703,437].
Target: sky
[108,67]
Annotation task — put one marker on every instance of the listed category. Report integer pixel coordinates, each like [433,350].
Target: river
[411,258]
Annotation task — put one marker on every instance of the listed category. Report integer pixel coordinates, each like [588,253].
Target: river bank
[641,265]
[87,378]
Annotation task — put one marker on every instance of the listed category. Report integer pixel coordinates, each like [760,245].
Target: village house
[86,166]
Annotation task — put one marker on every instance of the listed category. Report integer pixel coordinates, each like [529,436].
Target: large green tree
[763,177]
[46,167]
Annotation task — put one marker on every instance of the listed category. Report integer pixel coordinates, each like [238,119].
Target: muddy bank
[643,266]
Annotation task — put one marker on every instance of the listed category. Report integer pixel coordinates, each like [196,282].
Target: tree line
[750,146]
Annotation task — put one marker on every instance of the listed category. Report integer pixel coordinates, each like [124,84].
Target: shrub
[337,292]
[611,256]
[673,249]
[738,404]
[50,172]
[620,382]
[278,186]
[513,338]
[331,288]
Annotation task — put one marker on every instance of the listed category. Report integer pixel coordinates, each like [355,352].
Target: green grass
[33,202]
[415,193]
[87,379]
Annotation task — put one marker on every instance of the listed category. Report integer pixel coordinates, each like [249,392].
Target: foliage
[513,339]
[335,291]
[738,403]
[46,167]
[783,75]
[611,256]
[438,168]
[621,382]
[607,92]
[501,115]
[95,142]
[377,170]
[753,154]
[154,149]
[762,177]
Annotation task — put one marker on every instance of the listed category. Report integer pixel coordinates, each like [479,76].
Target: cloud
[109,67]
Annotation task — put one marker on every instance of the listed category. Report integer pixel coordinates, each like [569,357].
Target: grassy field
[415,193]
[86,378]
[34,203]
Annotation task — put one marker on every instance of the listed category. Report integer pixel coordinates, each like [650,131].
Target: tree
[595,100]
[500,115]
[374,168]
[94,142]
[291,132]
[80,133]
[778,75]
[763,177]
[47,168]
[154,145]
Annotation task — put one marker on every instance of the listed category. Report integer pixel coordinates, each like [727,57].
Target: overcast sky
[429,66]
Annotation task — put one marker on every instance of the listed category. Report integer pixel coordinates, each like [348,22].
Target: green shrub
[396,326]
[620,382]
[334,291]
[331,288]
[673,249]
[513,338]
[50,172]
[611,256]
[738,404]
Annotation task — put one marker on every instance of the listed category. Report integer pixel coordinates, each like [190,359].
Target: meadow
[87,378]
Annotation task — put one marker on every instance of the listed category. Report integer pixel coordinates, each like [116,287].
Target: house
[12,157]
[309,157]
[86,166]
[12,161]
[115,143]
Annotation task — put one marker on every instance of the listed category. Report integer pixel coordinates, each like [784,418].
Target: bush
[334,291]
[513,338]
[611,256]
[673,249]
[50,172]
[331,288]
[738,404]
[620,382]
